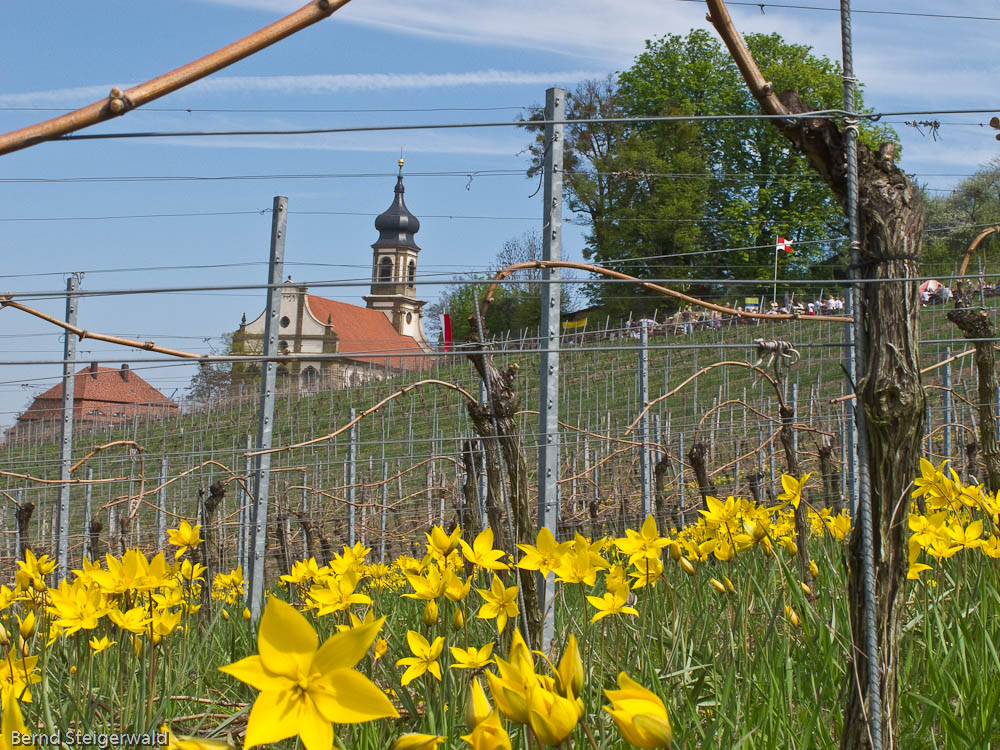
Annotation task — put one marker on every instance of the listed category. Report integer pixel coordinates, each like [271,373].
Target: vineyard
[409,455]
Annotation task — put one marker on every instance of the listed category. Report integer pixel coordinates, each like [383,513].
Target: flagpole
[775,298]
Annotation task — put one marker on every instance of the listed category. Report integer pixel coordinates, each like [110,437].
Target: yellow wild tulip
[306,687]
[571,670]
[430,613]
[27,626]
[424,659]
[545,555]
[12,720]
[481,553]
[97,645]
[184,537]
[455,589]
[552,717]
[414,741]
[640,714]
[517,676]
[488,734]
[440,543]
[793,618]
[458,619]
[184,742]
[472,657]
[477,708]
[500,602]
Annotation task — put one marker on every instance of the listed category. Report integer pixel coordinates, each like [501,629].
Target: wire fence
[409,464]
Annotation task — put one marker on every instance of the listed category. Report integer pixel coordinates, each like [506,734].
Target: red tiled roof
[365,334]
[109,386]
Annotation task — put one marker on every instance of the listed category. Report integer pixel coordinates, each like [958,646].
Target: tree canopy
[516,302]
[954,220]
[699,199]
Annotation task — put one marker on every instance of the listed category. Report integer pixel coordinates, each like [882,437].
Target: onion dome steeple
[396,225]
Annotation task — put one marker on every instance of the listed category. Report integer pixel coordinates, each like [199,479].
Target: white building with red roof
[382,338]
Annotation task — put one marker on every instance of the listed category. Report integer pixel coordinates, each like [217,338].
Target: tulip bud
[246,613]
[729,585]
[4,638]
[477,708]
[430,613]
[813,569]
[718,586]
[571,669]
[792,617]
[225,615]
[27,626]
[381,646]
[790,547]
[675,551]
[72,669]
[805,588]
[458,619]
[686,566]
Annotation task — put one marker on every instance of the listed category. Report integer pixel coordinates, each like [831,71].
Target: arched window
[310,377]
[411,275]
[385,270]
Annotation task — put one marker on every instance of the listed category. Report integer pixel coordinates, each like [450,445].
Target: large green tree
[954,219]
[700,199]
[517,302]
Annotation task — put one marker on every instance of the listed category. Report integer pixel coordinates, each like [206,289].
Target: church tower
[394,268]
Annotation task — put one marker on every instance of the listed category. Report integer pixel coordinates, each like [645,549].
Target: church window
[285,321]
[385,270]
[412,275]
[310,377]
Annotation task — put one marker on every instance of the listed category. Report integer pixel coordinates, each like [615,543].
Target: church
[380,339]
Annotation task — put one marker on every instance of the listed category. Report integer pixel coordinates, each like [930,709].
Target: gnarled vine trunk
[891,224]
[975,324]
[495,422]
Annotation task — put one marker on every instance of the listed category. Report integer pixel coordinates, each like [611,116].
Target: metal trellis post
[161,506]
[66,431]
[265,419]
[860,367]
[644,422]
[352,459]
[548,410]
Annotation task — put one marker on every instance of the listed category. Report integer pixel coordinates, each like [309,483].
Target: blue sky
[371,55]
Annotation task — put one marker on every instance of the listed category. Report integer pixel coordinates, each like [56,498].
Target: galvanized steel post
[548,409]
[946,382]
[87,493]
[66,430]
[644,421]
[265,419]
[352,460]
[161,506]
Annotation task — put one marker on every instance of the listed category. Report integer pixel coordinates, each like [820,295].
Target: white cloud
[448,142]
[314,84]
[610,32]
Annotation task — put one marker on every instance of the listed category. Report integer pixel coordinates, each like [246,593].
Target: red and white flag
[784,244]
[446,332]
